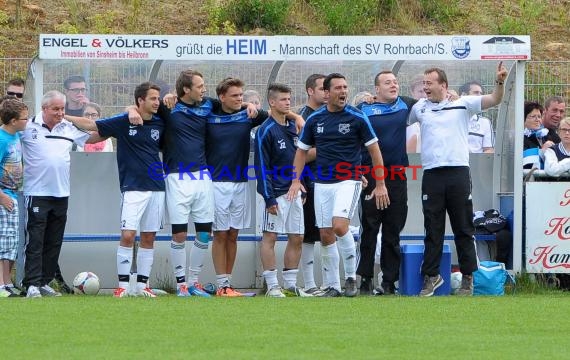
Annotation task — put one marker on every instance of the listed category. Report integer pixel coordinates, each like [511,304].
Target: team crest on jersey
[320,128]
[344,128]
[295,140]
[154,134]
[474,126]
[460,47]
[34,134]
[281,143]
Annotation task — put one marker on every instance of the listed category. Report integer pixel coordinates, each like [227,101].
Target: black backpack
[489,221]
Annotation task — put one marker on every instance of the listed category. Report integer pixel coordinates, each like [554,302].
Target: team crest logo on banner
[344,128]
[154,134]
[460,47]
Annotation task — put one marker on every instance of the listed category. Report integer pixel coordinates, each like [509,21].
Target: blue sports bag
[490,278]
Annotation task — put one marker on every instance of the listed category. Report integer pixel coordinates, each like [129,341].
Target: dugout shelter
[114,64]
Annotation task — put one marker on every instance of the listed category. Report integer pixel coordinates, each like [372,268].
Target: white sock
[197,254]
[290,278]
[307,265]
[178,258]
[270,277]
[331,261]
[145,259]
[124,262]
[324,274]
[347,249]
[223,280]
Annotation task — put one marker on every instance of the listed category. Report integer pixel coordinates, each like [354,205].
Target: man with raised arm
[446,182]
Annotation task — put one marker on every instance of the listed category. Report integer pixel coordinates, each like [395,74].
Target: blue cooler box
[411,280]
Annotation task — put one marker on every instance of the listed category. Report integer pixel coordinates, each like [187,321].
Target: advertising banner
[282,48]
[547,227]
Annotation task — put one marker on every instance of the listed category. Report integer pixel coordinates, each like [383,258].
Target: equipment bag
[490,279]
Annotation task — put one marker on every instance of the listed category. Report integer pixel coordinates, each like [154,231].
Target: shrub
[66,28]
[442,12]
[348,18]
[4,18]
[516,18]
[215,23]
[251,14]
[102,23]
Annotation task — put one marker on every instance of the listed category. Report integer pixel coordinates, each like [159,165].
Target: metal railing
[547,78]
[13,68]
[543,78]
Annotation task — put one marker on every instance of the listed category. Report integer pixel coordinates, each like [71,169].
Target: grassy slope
[522,327]
[546,23]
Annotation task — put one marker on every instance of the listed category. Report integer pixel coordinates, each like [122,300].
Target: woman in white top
[557,157]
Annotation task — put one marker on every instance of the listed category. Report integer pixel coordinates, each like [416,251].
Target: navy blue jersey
[275,147]
[306,111]
[389,122]
[185,137]
[138,149]
[227,143]
[338,137]
[309,182]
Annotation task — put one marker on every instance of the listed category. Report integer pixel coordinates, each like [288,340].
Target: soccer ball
[455,281]
[86,283]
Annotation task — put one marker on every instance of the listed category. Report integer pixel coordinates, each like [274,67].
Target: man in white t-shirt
[446,181]
[481,136]
[46,144]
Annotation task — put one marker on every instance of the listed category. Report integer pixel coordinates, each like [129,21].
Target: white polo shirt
[480,134]
[444,130]
[46,156]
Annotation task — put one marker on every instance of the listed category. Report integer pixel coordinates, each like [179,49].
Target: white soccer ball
[456,278]
[86,283]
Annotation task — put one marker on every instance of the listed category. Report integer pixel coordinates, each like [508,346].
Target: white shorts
[189,197]
[232,208]
[142,210]
[336,200]
[289,218]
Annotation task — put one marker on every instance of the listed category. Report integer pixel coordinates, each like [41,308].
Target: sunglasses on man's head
[16,94]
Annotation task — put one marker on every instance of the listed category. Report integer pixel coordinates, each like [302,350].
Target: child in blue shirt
[14,116]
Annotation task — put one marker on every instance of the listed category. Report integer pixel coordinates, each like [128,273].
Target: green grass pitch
[102,327]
